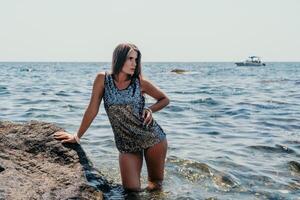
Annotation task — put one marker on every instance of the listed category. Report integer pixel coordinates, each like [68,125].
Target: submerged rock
[294,166]
[33,165]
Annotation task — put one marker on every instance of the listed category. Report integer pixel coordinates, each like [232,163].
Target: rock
[224,181]
[179,71]
[294,166]
[33,165]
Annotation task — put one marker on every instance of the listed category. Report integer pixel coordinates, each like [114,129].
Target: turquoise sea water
[233,132]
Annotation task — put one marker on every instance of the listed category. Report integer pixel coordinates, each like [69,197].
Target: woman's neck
[121,77]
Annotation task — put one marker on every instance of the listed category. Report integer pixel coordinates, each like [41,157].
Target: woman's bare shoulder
[145,81]
[99,80]
[101,74]
[146,84]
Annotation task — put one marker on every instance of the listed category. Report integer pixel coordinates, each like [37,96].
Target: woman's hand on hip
[147,114]
[64,137]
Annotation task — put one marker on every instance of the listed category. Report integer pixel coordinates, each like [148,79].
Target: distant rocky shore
[33,165]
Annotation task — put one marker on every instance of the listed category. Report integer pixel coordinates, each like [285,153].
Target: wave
[62,93]
[238,112]
[36,110]
[277,125]
[212,133]
[3,88]
[40,101]
[269,149]
[260,106]
[208,101]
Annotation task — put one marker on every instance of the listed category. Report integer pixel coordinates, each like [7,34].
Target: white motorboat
[253,61]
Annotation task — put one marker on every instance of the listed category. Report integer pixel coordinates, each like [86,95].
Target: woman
[136,132]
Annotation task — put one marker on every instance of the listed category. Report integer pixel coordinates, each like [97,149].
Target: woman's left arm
[156,93]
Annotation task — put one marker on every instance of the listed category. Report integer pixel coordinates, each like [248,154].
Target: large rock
[33,165]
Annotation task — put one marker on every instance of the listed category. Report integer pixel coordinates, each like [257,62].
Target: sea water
[233,132]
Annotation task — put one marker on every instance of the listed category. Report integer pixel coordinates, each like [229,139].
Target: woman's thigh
[130,168]
[155,159]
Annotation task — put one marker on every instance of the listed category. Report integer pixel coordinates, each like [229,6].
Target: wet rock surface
[33,165]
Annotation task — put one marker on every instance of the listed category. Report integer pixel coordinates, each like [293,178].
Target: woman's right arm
[93,107]
[90,113]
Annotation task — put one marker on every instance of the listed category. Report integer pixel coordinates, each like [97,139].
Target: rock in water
[33,165]
[178,71]
[294,166]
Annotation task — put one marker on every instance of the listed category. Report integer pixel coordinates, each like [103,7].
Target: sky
[164,30]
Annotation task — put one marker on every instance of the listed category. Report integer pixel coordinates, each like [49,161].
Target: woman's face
[130,64]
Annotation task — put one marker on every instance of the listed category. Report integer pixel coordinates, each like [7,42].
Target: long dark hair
[119,58]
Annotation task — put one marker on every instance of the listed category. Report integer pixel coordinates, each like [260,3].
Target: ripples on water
[233,131]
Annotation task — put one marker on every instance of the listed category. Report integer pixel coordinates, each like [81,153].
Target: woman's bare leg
[155,159]
[130,167]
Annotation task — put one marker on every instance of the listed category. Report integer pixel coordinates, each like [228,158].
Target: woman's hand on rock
[64,137]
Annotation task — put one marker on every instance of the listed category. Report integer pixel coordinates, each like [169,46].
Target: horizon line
[74,61]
